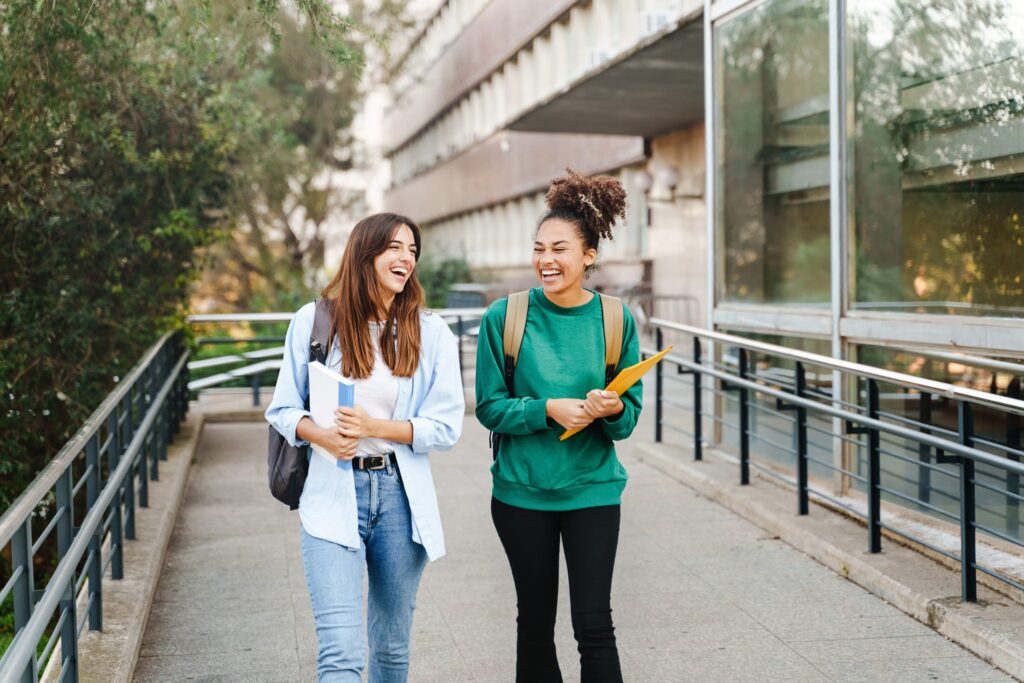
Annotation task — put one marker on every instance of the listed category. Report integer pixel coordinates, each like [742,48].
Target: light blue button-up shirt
[431,400]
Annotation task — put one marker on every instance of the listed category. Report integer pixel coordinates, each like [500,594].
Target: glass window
[772,165]
[937,158]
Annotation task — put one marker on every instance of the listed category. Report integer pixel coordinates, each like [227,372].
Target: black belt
[373,462]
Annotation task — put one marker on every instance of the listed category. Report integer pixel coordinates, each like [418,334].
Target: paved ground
[699,595]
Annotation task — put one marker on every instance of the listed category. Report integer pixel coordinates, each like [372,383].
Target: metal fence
[803,403]
[258,368]
[88,495]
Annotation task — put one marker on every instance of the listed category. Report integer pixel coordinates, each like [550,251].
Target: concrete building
[840,177]
[496,98]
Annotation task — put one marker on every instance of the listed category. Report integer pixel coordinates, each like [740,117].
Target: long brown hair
[357,299]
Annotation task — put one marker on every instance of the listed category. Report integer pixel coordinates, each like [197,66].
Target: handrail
[141,416]
[963,447]
[21,650]
[280,317]
[40,487]
[919,383]
[255,371]
[934,441]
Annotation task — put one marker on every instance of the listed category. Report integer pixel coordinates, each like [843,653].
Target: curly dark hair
[592,204]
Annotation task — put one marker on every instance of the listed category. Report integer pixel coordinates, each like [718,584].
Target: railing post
[1013,440]
[255,382]
[968,570]
[698,418]
[156,428]
[744,422]
[924,451]
[185,376]
[142,460]
[65,535]
[165,416]
[128,486]
[659,388]
[24,588]
[116,518]
[146,452]
[94,563]
[801,442]
[874,473]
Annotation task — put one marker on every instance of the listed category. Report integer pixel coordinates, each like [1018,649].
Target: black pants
[590,537]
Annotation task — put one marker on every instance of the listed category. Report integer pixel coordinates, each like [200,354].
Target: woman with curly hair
[548,492]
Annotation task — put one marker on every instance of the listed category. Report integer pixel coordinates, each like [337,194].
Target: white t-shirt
[377,395]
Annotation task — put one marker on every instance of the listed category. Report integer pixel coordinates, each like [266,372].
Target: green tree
[288,201]
[125,128]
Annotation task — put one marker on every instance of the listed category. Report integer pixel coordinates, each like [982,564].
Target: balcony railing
[938,426]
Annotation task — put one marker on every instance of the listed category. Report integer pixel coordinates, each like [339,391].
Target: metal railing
[102,474]
[258,368]
[953,451]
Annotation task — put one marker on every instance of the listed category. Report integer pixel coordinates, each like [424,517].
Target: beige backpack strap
[515,324]
[611,309]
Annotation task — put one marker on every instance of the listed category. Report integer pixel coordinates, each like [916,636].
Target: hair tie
[586,200]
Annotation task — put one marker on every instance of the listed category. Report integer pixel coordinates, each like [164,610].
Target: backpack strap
[318,339]
[515,324]
[511,340]
[611,311]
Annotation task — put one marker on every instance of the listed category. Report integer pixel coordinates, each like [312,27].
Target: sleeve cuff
[293,423]
[611,421]
[422,434]
[537,415]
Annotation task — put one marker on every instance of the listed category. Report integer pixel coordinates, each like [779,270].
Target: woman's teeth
[550,275]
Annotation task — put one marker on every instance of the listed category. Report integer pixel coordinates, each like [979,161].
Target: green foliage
[437,276]
[126,128]
[289,203]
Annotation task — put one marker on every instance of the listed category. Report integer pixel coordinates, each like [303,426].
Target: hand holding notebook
[626,378]
[327,391]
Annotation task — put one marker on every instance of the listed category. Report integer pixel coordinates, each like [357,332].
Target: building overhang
[505,166]
[650,90]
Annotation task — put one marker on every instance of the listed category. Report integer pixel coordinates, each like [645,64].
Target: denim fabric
[334,574]
[431,400]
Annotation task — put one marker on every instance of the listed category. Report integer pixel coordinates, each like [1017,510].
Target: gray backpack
[287,465]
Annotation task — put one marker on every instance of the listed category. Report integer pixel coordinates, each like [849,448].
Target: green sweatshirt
[562,356]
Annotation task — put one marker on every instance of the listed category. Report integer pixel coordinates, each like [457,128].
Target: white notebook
[327,391]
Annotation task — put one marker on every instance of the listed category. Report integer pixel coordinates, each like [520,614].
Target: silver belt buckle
[373,462]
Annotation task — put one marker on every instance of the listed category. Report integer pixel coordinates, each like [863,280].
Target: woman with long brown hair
[371,505]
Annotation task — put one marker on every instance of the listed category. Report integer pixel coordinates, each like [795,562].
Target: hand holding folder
[626,378]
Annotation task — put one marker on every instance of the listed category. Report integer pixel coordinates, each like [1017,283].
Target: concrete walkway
[699,595]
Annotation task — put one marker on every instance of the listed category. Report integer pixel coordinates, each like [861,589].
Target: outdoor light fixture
[668,177]
[643,181]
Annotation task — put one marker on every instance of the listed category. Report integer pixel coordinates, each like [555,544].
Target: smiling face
[393,266]
[560,258]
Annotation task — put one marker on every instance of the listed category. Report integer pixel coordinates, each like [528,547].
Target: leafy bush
[437,276]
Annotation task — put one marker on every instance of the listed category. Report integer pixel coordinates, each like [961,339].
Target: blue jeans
[334,574]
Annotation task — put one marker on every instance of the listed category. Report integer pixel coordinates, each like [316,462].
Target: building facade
[497,98]
[842,177]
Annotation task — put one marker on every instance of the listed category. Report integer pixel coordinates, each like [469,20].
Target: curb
[996,648]
[111,654]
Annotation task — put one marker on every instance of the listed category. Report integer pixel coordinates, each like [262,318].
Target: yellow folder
[624,380]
